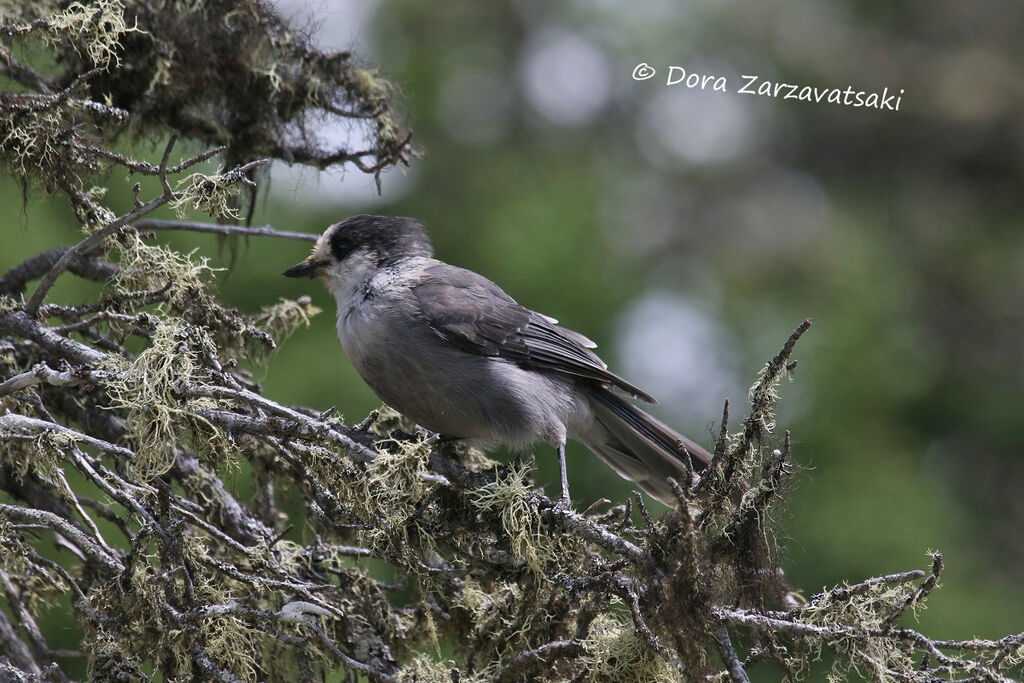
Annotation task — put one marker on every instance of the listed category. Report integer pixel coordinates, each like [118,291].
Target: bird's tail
[639,446]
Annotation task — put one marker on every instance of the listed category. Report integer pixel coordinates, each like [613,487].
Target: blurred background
[689,231]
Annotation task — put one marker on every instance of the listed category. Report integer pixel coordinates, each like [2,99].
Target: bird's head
[350,252]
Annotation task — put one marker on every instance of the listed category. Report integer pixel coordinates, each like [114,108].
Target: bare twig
[922,592]
[90,267]
[92,550]
[729,656]
[226,230]
[40,374]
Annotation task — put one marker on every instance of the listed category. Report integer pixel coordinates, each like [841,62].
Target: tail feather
[639,446]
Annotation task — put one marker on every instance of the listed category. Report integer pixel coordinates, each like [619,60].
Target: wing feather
[474,314]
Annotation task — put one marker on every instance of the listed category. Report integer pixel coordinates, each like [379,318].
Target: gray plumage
[453,352]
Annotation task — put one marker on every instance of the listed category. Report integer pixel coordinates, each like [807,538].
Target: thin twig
[40,374]
[91,549]
[221,229]
[729,656]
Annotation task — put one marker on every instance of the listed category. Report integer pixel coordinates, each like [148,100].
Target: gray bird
[450,350]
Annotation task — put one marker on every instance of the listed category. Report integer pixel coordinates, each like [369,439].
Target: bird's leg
[564,501]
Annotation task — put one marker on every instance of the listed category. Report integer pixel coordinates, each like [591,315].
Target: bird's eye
[341,247]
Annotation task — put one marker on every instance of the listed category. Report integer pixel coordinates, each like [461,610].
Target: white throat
[359,278]
[350,280]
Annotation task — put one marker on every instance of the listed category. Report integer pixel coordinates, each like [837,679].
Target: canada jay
[452,351]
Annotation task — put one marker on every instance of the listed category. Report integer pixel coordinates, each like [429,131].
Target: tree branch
[221,229]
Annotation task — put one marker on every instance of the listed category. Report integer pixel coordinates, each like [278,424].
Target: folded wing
[474,314]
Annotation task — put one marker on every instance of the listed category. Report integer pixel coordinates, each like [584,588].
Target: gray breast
[448,390]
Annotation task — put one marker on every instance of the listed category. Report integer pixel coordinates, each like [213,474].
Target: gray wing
[474,314]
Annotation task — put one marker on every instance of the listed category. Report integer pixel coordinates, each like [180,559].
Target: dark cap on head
[389,239]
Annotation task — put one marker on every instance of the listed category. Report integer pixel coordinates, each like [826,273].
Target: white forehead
[322,248]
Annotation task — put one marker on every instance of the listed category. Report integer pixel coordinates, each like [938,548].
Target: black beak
[306,269]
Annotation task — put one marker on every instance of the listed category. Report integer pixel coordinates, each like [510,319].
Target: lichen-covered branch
[127,420]
[231,76]
[176,574]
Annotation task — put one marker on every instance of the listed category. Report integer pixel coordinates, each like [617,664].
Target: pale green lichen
[184,280]
[520,521]
[385,495]
[280,320]
[36,141]
[39,454]
[38,586]
[389,495]
[386,419]
[150,390]
[614,653]
[94,27]
[152,267]
[235,644]
[97,25]
[491,611]
[763,396]
[215,195]
[145,630]
[857,615]
[424,669]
